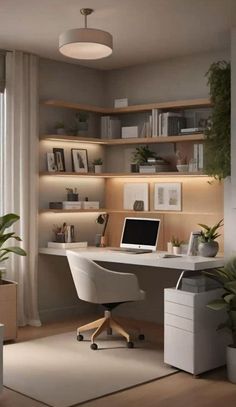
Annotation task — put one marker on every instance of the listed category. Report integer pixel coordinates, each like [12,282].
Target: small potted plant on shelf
[81,119]
[226,277]
[207,246]
[97,163]
[176,245]
[181,162]
[60,128]
[8,288]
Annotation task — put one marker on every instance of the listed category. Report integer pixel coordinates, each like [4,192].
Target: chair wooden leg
[117,328]
[101,328]
[91,325]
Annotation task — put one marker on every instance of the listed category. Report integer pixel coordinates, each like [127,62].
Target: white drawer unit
[192,341]
[1,345]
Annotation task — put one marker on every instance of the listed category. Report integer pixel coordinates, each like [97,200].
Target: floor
[210,390]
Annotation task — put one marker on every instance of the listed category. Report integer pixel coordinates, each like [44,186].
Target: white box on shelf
[71,205]
[73,245]
[129,132]
[121,102]
[90,204]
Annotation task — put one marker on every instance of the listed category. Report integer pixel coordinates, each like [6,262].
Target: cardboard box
[129,132]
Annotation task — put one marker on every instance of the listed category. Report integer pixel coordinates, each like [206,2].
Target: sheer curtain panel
[21,176]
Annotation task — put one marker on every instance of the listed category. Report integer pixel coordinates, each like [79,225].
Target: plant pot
[61,131]
[176,249]
[8,308]
[98,169]
[231,363]
[208,249]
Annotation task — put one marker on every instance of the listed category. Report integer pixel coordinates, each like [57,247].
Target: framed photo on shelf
[167,196]
[51,163]
[79,160]
[59,159]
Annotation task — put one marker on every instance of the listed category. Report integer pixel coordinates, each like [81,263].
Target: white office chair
[98,285]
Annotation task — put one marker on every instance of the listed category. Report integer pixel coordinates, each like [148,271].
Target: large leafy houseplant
[226,277]
[209,233]
[6,222]
[217,134]
[141,155]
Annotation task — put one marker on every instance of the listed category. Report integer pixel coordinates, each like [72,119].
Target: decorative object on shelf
[59,159]
[51,163]
[81,119]
[86,43]
[170,247]
[134,167]
[90,204]
[141,155]
[167,196]
[176,245]
[181,162]
[97,163]
[226,277]
[60,128]
[217,140]
[79,160]
[72,194]
[120,102]
[72,205]
[129,132]
[55,205]
[135,192]
[207,246]
[69,234]
[138,205]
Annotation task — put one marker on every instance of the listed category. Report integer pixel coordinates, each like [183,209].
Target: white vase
[231,363]
[98,169]
[176,249]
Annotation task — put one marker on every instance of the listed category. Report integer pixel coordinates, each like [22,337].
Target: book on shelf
[73,245]
[110,127]
[192,130]
[155,122]
[198,155]
[171,123]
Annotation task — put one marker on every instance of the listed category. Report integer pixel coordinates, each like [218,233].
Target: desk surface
[191,263]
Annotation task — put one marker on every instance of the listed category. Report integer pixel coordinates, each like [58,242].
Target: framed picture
[167,196]
[79,160]
[59,159]
[51,164]
[134,192]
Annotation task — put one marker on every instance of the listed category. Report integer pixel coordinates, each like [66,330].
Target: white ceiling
[143,30]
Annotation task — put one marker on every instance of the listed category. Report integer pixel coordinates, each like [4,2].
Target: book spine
[200,157]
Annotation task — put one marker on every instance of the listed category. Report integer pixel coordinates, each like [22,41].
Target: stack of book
[192,130]
[171,123]
[110,127]
[198,156]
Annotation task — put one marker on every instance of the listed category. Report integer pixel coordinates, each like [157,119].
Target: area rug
[61,372]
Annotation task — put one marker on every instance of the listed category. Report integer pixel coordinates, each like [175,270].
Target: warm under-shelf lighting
[86,43]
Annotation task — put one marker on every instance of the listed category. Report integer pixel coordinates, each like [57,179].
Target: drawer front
[7,292]
[179,309]
[179,322]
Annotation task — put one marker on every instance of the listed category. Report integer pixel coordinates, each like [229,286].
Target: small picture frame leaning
[59,159]
[79,160]
[51,163]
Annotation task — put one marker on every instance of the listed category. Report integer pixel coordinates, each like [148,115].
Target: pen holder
[60,237]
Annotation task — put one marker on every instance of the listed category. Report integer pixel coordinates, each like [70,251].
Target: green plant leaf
[217,305]
[230,286]
[7,221]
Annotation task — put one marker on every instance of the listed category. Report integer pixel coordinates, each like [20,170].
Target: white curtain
[21,176]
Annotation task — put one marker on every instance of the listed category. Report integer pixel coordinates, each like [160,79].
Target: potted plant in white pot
[226,277]
[97,165]
[176,245]
[208,247]
[60,128]
[8,288]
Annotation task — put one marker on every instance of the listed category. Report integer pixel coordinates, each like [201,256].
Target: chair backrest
[99,285]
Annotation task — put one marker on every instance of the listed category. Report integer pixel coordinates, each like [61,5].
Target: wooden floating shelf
[121,211]
[115,142]
[179,104]
[72,210]
[123,175]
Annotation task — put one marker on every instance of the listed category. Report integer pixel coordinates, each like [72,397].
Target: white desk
[188,263]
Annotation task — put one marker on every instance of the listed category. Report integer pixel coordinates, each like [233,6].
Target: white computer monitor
[140,233]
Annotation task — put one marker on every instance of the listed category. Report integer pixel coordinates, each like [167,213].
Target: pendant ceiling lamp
[86,43]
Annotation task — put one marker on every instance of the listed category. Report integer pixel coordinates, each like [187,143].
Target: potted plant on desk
[176,245]
[8,288]
[207,246]
[226,277]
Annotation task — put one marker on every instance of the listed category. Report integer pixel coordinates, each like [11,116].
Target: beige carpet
[61,372]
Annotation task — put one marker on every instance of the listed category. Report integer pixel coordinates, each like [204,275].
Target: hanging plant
[217,142]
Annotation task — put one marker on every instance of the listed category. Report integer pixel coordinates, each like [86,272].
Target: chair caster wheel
[93,346]
[130,345]
[80,337]
[141,337]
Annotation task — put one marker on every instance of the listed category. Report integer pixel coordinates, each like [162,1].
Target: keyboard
[132,251]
